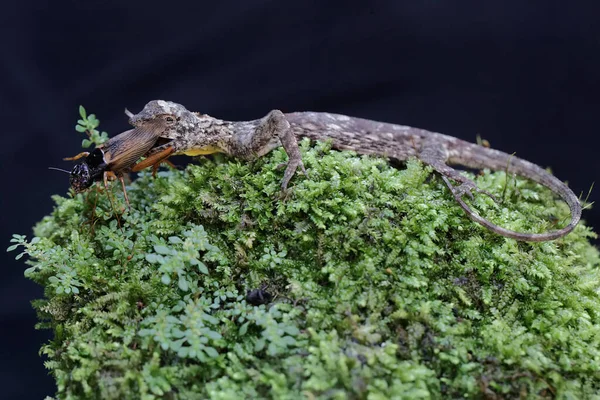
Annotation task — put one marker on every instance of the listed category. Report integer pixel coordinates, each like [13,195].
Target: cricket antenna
[59,169]
[128,113]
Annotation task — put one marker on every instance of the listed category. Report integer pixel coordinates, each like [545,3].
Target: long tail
[482,157]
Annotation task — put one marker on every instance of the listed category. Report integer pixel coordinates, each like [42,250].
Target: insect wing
[122,151]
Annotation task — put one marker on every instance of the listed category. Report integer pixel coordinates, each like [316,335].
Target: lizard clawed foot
[292,166]
[283,165]
[467,188]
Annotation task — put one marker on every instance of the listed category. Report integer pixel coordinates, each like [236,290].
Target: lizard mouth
[161,141]
[158,146]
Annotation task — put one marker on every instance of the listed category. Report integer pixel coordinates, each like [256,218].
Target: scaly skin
[193,133]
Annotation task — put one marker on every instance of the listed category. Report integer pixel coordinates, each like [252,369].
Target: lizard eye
[170,119]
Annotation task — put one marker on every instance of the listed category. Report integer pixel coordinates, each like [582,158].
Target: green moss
[382,287]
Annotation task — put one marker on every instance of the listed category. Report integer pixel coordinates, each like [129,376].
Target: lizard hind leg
[435,155]
[466,187]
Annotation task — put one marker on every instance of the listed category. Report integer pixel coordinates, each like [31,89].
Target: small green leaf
[11,248]
[243,329]
[175,240]
[183,352]
[146,332]
[176,345]
[288,340]
[75,289]
[202,268]
[183,284]
[35,240]
[212,353]
[18,257]
[102,138]
[211,320]
[291,330]
[214,335]
[82,112]
[165,279]
[178,333]
[153,258]
[259,345]
[160,249]
[272,349]
[80,128]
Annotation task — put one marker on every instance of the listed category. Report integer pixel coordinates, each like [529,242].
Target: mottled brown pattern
[251,139]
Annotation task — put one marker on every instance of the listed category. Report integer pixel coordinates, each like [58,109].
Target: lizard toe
[491,196]
[465,188]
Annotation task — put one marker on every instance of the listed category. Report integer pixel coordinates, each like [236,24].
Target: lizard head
[177,119]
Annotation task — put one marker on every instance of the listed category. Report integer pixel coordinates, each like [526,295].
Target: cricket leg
[157,165]
[77,157]
[153,160]
[105,177]
[170,164]
[109,176]
[124,191]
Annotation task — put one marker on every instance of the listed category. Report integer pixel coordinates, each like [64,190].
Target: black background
[524,75]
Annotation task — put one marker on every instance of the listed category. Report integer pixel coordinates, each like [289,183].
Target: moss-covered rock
[377,286]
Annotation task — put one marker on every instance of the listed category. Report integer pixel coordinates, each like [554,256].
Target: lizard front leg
[254,139]
[248,140]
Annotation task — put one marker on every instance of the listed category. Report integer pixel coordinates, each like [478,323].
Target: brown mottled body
[193,134]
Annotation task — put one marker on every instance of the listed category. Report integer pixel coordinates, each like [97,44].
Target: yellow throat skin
[203,151]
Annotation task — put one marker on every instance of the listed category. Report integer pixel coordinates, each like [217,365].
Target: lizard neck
[202,134]
[204,125]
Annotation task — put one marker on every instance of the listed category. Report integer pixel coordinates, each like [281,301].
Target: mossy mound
[381,287]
